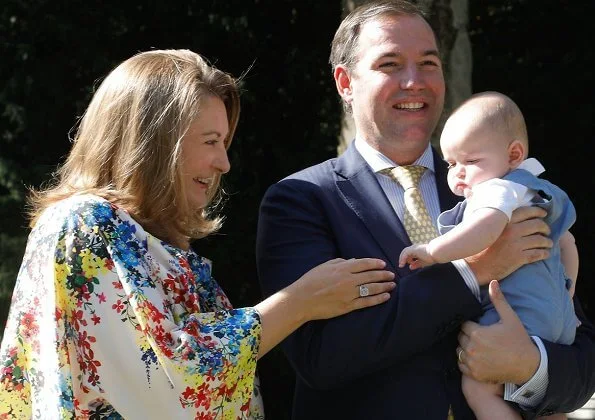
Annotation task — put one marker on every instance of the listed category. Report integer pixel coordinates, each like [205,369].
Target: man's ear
[343,83]
[516,153]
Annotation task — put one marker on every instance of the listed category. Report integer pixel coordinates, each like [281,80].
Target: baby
[485,144]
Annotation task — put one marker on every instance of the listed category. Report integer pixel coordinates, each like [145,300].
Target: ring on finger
[363,291]
[459,353]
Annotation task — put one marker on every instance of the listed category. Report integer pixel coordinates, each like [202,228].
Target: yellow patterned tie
[416,218]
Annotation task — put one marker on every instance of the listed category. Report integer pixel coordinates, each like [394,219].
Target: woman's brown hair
[127,145]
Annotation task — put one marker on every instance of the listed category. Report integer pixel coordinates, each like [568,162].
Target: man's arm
[571,369]
[299,227]
[502,353]
[295,234]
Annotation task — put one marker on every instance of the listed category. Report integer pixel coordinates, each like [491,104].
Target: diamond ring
[363,291]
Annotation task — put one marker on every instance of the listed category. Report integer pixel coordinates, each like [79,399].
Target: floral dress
[109,322]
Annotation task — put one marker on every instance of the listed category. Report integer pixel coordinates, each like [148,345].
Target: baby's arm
[569,255]
[477,232]
[416,256]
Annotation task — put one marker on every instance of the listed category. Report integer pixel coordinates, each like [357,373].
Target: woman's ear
[516,153]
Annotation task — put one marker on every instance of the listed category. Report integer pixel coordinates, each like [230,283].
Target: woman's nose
[221,162]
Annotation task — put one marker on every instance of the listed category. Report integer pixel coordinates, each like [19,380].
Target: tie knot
[408,176]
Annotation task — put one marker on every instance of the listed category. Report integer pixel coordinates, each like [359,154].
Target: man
[398,360]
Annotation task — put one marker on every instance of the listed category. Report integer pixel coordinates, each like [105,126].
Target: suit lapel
[363,194]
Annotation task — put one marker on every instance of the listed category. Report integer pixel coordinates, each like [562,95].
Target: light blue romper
[538,292]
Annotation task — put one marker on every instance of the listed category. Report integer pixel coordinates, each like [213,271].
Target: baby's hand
[416,256]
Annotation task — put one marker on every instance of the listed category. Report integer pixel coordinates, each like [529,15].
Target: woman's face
[203,151]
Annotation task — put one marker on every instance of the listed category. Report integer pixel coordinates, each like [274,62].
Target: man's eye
[430,65]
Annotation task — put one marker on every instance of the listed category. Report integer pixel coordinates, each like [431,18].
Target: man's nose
[411,78]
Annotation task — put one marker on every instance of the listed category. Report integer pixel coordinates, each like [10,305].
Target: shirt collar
[532,165]
[378,161]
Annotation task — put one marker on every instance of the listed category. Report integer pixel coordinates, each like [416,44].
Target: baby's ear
[516,153]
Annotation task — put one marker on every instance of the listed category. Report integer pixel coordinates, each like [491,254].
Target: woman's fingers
[371,289]
[335,261]
[371,277]
[333,288]
[372,300]
[364,264]
[372,285]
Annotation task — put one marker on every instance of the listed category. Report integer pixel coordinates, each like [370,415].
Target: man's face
[396,88]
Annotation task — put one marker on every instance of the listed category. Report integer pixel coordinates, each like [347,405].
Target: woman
[113,314]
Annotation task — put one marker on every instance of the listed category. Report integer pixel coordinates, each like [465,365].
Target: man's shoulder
[316,179]
[318,173]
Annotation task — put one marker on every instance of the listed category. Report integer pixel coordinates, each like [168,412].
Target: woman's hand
[333,288]
[328,290]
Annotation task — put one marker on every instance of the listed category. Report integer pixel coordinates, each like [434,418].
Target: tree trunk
[449,19]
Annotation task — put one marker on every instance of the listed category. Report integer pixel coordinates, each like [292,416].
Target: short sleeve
[499,194]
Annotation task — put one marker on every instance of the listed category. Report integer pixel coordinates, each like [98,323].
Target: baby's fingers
[402,260]
[414,264]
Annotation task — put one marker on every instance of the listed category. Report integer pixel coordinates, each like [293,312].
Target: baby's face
[474,154]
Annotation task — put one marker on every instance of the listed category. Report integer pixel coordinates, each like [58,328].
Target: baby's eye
[450,165]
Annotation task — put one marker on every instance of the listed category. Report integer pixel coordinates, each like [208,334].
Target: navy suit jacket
[397,359]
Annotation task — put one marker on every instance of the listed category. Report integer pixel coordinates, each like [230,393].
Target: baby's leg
[486,401]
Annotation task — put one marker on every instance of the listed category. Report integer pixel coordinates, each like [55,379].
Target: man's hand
[523,241]
[498,353]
